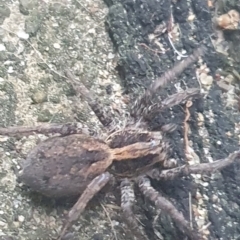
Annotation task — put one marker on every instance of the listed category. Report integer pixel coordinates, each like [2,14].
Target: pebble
[214,198]
[224,86]
[200,119]
[39,97]
[2,48]
[10,69]
[111,56]
[2,224]
[21,218]
[206,79]
[23,35]
[56,45]
[229,20]
[204,184]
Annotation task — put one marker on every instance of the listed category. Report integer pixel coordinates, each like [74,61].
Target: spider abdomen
[61,166]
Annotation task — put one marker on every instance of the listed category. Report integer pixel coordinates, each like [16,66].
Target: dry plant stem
[127,202]
[170,75]
[50,128]
[166,206]
[109,218]
[98,109]
[201,168]
[186,128]
[92,189]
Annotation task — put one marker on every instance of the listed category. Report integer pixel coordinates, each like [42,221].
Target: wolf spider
[75,163]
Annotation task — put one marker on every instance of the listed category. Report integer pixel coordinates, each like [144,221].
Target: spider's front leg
[185,170]
[166,206]
[104,116]
[202,168]
[127,202]
[145,100]
[92,189]
[48,128]
[67,128]
[171,101]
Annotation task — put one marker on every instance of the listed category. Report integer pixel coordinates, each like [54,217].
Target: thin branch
[186,129]
[110,220]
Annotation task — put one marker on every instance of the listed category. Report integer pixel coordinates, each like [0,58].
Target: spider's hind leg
[166,206]
[127,202]
[92,189]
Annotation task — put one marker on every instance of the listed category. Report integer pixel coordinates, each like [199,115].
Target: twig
[175,50]
[38,53]
[106,212]
[190,209]
[205,227]
[186,128]
[150,49]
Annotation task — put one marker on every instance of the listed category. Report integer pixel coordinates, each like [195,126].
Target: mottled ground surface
[38,39]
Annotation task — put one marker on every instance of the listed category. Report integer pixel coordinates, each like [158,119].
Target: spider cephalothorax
[78,164]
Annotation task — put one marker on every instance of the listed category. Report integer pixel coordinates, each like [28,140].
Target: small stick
[190,209]
[186,128]
[110,220]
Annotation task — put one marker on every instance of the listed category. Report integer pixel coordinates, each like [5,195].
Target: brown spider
[78,164]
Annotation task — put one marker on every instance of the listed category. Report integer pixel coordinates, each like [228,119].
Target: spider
[76,163]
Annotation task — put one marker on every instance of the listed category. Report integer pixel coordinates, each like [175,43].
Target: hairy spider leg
[201,168]
[52,128]
[92,189]
[171,101]
[145,99]
[170,174]
[127,202]
[166,206]
[105,117]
